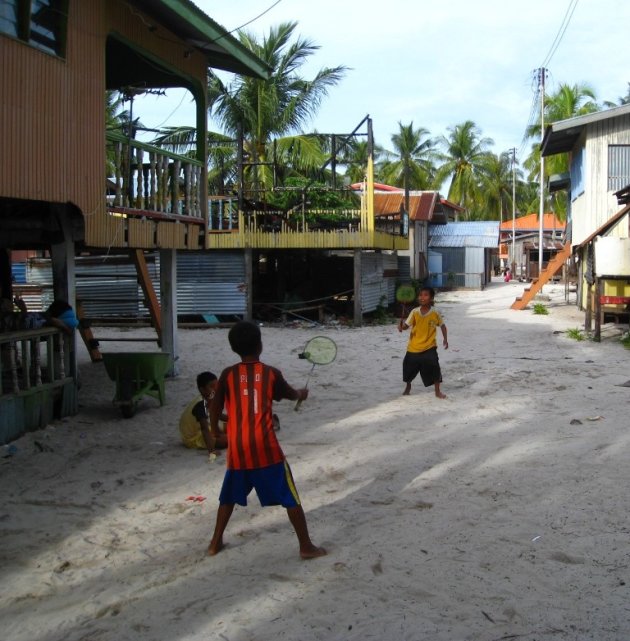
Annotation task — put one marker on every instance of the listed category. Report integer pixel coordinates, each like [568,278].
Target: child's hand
[302,394]
[446,344]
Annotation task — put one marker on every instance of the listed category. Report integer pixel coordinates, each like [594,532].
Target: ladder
[552,268]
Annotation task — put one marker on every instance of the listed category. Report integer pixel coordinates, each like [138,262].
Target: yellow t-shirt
[423,329]
[189,427]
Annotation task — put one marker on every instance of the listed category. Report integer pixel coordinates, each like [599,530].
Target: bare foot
[312,552]
[215,548]
[440,395]
[407,390]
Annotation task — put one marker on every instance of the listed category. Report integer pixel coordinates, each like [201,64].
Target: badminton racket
[405,294]
[320,350]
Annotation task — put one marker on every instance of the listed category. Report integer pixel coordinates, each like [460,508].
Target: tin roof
[476,233]
[531,222]
[562,135]
[189,22]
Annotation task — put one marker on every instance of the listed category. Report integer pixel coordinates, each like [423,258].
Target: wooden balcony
[351,229]
[149,180]
[150,190]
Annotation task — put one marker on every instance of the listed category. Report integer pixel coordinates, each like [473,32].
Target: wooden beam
[88,337]
[358,311]
[150,296]
[598,310]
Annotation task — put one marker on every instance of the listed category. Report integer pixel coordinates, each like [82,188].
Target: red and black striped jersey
[247,391]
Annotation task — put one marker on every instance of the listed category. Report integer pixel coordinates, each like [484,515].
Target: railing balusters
[155,187]
[139,191]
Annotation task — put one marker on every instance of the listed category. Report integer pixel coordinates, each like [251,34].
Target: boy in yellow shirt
[421,357]
[194,424]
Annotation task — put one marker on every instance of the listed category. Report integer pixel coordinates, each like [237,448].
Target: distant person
[61,315]
[254,457]
[194,424]
[507,275]
[422,357]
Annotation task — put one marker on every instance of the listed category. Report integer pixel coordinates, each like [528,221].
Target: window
[577,173]
[9,18]
[41,23]
[618,167]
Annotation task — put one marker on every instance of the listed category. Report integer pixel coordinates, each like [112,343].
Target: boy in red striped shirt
[254,457]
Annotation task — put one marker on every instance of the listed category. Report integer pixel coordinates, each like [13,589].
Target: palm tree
[568,101]
[262,110]
[496,187]
[412,163]
[464,159]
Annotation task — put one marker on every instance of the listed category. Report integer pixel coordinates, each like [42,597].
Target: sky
[436,63]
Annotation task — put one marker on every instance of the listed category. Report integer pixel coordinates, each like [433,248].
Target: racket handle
[297,405]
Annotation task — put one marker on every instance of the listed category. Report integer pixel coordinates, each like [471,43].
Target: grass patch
[625,340]
[576,334]
[540,309]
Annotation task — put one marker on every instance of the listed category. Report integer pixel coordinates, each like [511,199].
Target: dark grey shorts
[425,363]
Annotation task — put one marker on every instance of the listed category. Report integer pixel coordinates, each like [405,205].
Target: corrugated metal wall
[54,123]
[475,267]
[404,269]
[207,283]
[52,117]
[211,283]
[374,286]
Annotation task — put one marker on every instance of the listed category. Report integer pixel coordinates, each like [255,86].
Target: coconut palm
[412,163]
[496,187]
[568,101]
[277,108]
[464,158]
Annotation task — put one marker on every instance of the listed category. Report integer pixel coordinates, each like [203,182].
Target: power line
[260,15]
[561,31]
[568,14]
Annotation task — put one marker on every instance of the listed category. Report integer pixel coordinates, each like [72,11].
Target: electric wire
[561,31]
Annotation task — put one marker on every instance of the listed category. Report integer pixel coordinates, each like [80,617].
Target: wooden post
[168,294]
[598,309]
[358,312]
[249,284]
[589,308]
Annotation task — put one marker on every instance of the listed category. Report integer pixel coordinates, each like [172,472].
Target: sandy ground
[499,513]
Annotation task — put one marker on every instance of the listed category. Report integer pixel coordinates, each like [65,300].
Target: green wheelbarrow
[136,374]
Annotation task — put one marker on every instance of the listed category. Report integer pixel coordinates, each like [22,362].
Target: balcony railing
[34,358]
[322,229]
[149,179]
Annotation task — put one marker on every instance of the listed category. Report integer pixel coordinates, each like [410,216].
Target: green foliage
[464,157]
[576,334]
[412,163]
[381,315]
[625,340]
[317,196]
[268,110]
[540,309]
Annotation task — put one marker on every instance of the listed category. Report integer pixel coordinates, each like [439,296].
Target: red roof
[377,187]
[531,222]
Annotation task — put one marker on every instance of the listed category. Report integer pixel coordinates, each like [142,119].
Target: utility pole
[513,252]
[542,72]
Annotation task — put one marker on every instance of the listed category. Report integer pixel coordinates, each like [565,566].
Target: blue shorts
[273,484]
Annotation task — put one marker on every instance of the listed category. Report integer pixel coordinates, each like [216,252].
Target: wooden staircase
[151,300]
[550,270]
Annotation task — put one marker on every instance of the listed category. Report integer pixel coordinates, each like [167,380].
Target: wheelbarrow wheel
[128,410]
[126,391]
